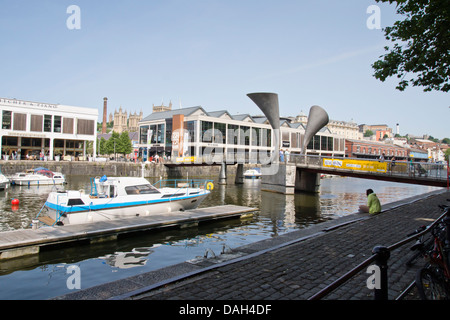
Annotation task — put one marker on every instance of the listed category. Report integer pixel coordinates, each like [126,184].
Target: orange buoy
[15,202]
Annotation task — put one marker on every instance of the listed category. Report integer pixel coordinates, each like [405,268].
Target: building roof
[171,113]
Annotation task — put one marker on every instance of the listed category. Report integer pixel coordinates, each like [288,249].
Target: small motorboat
[4,181]
[122,197]
[254,173]
[36,177]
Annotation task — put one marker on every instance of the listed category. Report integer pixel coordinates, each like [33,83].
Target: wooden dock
[23,242]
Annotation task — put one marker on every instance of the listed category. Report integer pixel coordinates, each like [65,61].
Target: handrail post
[382,255]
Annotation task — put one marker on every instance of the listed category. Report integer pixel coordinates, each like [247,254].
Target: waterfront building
[193,133]
[373,150]
[31,128]
[347,129]
[380,131]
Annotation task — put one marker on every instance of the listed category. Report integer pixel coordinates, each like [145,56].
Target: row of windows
[231,134]
[379,151]
[211,132]
[46,123]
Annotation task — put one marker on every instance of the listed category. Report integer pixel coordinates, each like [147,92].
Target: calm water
[45,275]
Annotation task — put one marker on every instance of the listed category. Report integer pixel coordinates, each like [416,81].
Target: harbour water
[46,275]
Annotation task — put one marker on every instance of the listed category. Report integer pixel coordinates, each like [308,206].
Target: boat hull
[112,209]
[37,182]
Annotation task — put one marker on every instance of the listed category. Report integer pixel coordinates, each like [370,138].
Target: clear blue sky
[210,53]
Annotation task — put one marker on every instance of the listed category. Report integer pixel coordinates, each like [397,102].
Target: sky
[211,53]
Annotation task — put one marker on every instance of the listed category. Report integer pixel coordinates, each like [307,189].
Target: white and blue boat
[37,177]
[254,173]
[122,197]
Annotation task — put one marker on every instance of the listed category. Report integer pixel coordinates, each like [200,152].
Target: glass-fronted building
[195,134]
[31,130]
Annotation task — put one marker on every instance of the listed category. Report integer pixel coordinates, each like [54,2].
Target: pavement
[293,266]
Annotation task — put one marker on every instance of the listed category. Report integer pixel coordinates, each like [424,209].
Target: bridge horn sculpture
[268,103]
[317,119]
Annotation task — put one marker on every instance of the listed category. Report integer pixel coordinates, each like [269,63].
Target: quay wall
[112,168]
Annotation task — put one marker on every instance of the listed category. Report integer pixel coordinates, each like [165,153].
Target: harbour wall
[126,169]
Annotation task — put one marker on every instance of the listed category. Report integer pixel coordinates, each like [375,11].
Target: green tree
[101,146]
[112,145]
[421,46]
[446,140]
[368,133]
[447,154]
[125,146]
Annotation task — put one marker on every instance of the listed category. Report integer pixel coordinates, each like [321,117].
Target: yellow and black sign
[352,164]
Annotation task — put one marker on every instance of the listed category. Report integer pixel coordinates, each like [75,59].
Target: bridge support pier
[223,173]
[281,182]
[239,179]
[307,181]
[290,179]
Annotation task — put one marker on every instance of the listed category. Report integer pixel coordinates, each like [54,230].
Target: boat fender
[209,186]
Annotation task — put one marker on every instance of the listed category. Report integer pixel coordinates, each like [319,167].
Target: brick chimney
[105,108]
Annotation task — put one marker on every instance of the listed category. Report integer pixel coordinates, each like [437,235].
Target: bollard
[381,259]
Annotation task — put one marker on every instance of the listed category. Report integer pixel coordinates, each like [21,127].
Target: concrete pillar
[239,179]
[283,181]
[223,173]
[307,181]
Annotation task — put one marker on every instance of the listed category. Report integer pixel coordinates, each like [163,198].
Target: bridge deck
[394,177]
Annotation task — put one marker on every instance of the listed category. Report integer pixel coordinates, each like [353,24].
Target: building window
[47,123]
[6,120]
[256,140]
[68,125]
[143,132]
[160,133]
[244,135]
[169,132]
[20,121]
[206,130]
[85,127]
[232,134]
[36,123]
[220,132]
[57,124]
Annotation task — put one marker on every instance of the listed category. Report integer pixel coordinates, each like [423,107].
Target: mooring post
[382,255]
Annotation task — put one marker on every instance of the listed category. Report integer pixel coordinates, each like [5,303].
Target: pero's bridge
[423,173]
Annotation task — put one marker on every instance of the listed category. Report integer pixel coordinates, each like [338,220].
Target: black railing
[380,256]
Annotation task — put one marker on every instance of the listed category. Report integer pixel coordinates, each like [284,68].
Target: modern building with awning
[32,129]
[193,132]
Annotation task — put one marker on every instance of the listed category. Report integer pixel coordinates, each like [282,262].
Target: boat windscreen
[141,189]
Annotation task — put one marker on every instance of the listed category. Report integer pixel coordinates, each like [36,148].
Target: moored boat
[122,197]
[254,173]
[4,181]
[38,176]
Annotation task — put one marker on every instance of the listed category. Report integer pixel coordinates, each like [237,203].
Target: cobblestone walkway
[299,270]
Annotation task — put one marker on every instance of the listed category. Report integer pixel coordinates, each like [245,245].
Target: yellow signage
[360,165]
[186,159]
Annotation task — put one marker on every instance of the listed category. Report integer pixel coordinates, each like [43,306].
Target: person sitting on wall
[373,203]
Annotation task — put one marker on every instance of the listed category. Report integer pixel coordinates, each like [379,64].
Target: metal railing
[380,256]
[430,170]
